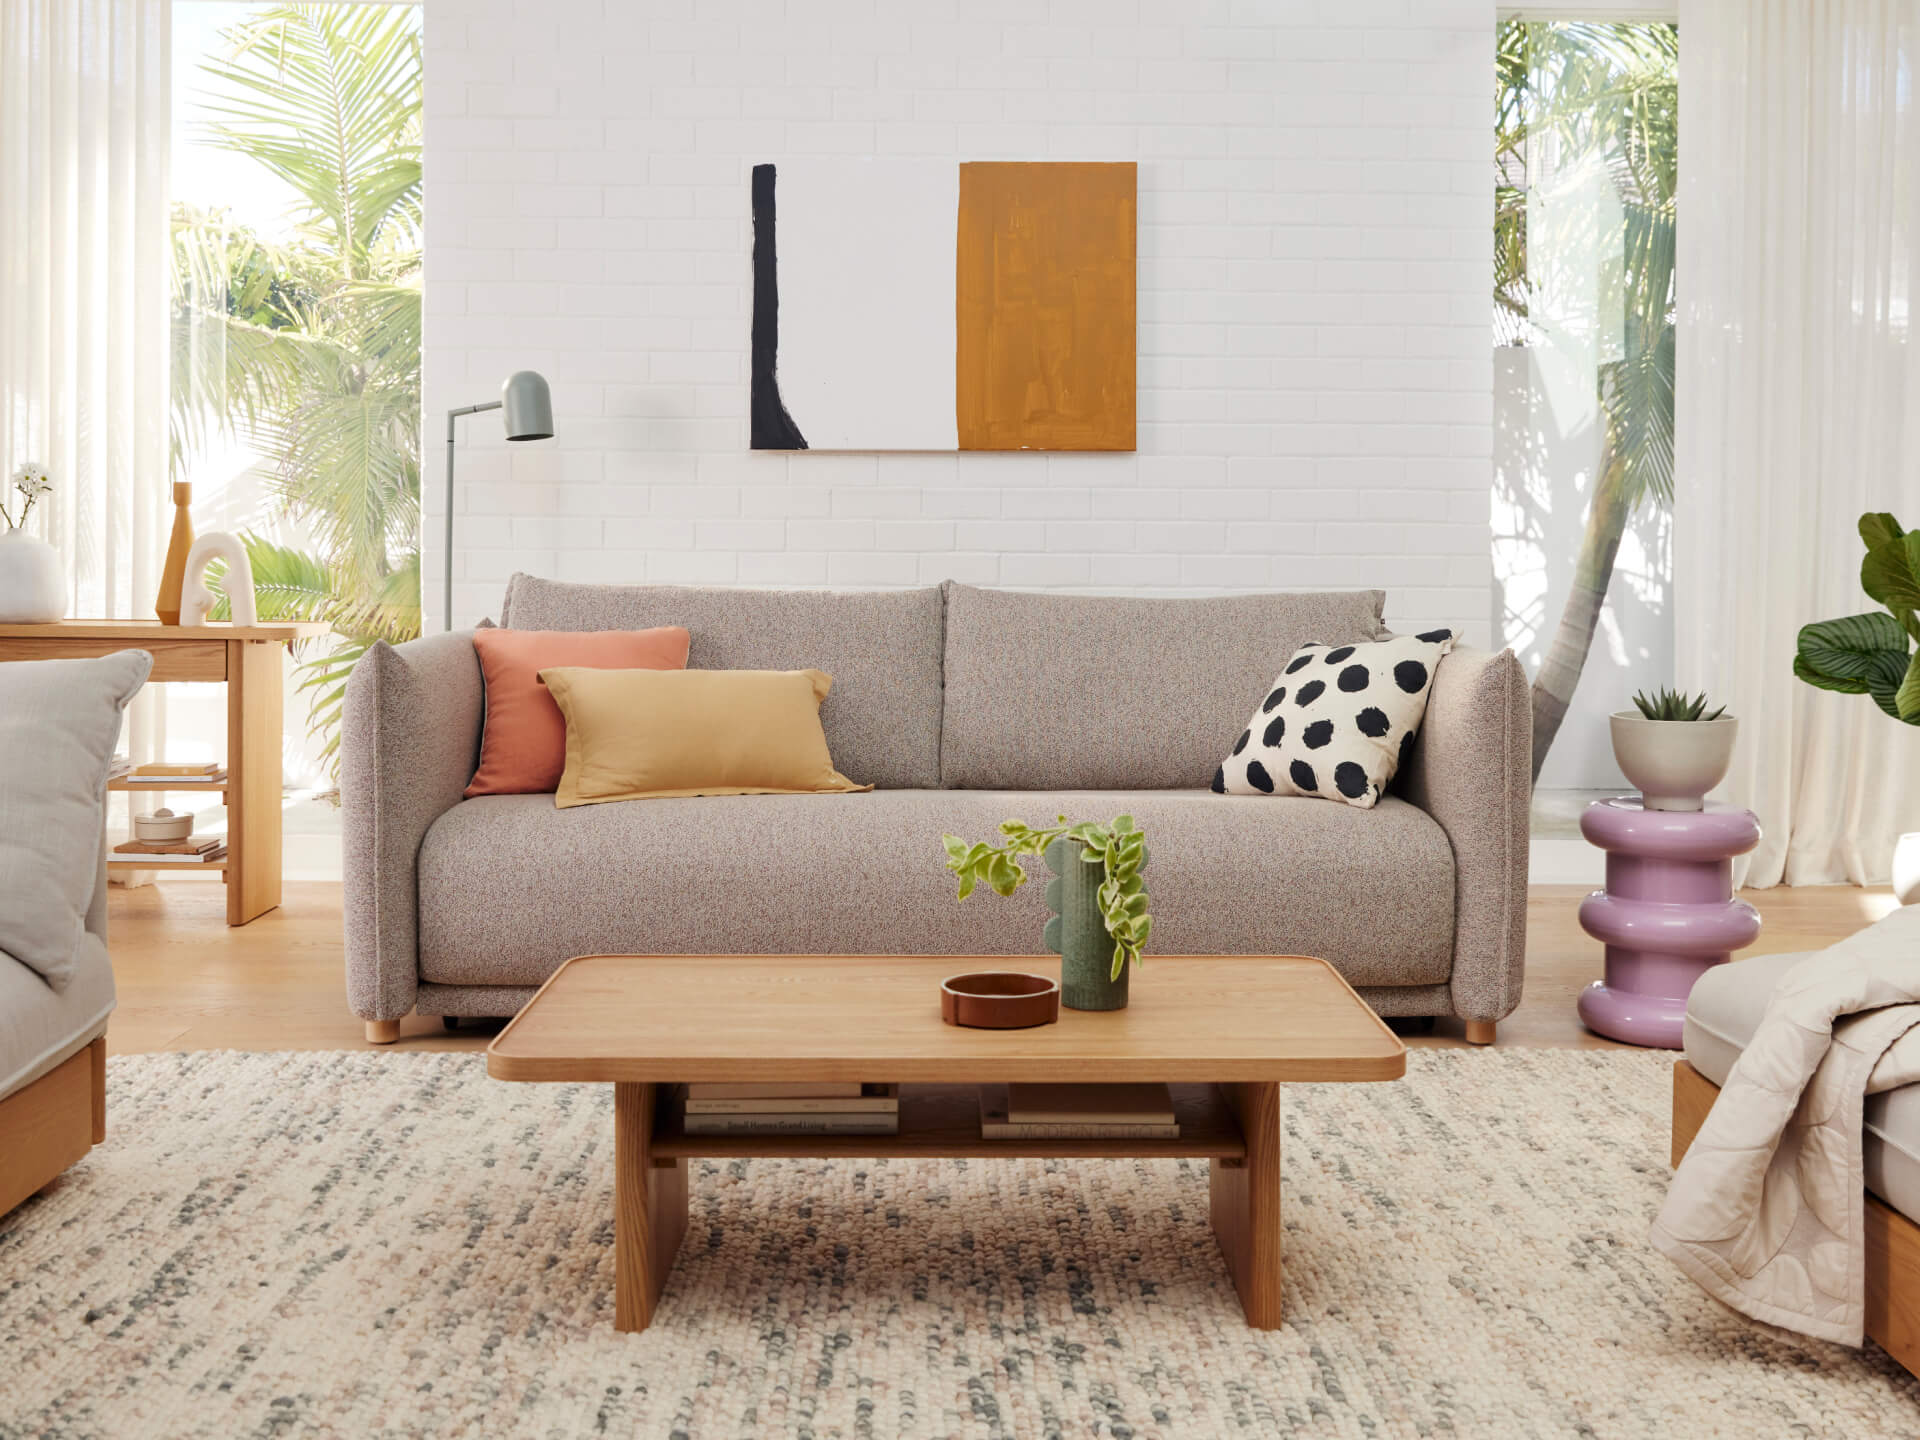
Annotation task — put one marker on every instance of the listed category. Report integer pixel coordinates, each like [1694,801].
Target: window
[297,231]
[1585,148]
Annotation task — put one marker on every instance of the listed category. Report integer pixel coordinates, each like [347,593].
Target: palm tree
[1605,93]
[315,345]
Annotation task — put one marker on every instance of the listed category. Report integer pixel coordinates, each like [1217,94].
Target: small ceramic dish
[999,1000]
[162,825]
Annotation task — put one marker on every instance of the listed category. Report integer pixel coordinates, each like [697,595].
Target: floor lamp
[529,416]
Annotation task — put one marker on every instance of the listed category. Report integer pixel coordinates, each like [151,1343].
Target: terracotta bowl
[999,1000]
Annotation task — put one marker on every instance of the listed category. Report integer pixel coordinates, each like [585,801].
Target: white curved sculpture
[196,601]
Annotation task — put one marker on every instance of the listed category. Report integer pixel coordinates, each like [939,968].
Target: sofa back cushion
[882,648]
[1118,692]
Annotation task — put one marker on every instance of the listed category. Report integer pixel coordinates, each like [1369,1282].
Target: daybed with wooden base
[1722,1015]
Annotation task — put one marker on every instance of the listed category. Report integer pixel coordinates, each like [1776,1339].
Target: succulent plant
[1672,705]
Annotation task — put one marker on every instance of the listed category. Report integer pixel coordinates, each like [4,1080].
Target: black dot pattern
[1356,728]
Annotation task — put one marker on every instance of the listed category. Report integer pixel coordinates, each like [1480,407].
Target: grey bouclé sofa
[963,707]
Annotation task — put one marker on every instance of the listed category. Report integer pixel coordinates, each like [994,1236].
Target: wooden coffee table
[1223,1031]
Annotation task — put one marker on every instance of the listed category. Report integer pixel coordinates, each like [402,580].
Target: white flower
[31,480]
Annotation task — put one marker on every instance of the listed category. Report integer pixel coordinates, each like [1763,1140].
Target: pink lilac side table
[1667,913]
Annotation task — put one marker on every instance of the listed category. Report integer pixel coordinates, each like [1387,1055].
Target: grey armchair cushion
[59,720]
[1115,692]
[882,648]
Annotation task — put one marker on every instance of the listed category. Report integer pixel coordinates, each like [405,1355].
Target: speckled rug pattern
[370,1244]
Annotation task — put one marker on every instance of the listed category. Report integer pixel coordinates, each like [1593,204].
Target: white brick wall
[1314,279]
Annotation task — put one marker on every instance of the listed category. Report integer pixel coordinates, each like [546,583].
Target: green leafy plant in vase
[1099,922]
[1674,749]
[1873,654]
[1870,654]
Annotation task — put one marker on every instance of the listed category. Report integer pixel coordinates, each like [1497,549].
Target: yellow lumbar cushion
[638,734]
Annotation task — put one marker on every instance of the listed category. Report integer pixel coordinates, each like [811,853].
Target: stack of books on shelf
[168,775]
[118,767]
[1077,1112]
[194,850]
[825,1107]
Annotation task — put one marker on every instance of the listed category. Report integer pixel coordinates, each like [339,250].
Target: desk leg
[1245,1204]
[255,683]
[649,1209]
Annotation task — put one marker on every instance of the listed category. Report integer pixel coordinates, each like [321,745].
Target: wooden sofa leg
[382,1032]
[1481,1032]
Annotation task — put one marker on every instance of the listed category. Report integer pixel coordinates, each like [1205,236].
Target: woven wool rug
[367,1244]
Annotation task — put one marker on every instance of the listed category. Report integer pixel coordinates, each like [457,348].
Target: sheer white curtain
[1798,399]
[84,132]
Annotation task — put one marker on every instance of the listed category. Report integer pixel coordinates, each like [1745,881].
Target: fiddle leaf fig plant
[1120,846]
[1872,654]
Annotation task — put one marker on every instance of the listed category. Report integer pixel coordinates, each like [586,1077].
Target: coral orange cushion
[523,749]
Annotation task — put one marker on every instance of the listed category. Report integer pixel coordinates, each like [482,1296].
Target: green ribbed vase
[1077,933]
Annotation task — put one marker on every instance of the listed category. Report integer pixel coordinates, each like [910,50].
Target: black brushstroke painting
[773,427]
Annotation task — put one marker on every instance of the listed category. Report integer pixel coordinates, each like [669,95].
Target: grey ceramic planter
[1077,933]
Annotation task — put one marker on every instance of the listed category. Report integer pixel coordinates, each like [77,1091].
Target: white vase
[33,583]
[1906,868]
[1673,763]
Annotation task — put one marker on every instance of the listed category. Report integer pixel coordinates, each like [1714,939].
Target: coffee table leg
[1245,1204]
[649,1210]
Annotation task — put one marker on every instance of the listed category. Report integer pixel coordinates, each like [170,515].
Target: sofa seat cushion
[510,886]
[1724,1011]
[882,648]
[40,1026]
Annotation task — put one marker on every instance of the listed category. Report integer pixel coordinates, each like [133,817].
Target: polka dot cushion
[1338,722]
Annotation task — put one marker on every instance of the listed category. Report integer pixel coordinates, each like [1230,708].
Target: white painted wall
[1315,231]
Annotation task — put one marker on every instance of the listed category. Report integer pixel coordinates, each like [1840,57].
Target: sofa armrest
[408,748]
[1472,771]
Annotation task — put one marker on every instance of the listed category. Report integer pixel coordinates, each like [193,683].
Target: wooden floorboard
[188,982]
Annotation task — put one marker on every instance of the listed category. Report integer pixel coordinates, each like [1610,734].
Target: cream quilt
[1767,1208]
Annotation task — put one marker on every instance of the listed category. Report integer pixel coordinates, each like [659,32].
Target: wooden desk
[247,660]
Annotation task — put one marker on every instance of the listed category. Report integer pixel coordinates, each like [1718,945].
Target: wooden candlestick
[173,574]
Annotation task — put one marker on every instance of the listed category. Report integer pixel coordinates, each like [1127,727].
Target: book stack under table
[194,850]
[809,1107]
[1077,1112]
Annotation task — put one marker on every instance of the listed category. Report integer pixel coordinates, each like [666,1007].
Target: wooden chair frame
[48,1125]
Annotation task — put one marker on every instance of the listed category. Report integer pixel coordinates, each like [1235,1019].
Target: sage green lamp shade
[529,406]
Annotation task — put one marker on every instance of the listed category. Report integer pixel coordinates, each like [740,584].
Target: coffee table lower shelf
[943,1122]
[1235,1127]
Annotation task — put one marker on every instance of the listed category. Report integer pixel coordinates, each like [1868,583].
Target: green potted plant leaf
[1099,920]
[1673,748]
[1873,654]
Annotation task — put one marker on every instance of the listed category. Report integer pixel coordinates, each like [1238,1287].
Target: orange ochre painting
[1044,306]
